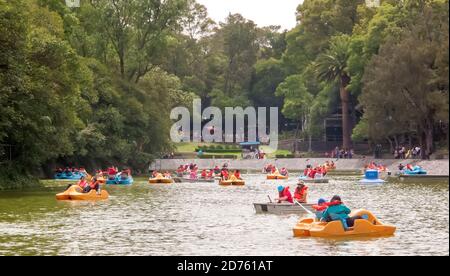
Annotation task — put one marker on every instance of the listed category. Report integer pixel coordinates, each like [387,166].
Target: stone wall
[434,167]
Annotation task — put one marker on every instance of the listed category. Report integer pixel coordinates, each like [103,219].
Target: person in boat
[333,166]
[124,174]
[312,173]
[320,208]
[301,192]
[210,174]
[167,175]
[204,174]
[154,174]
[337,211]
[284,195]
[112,173]
[193,174]
[94,185]
[224,174]
[216,170]
[284,172]
[401,167]
[237,174]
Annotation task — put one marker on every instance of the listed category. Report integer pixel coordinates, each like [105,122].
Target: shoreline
[433,167]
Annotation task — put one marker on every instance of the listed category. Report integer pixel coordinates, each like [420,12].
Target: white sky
[262,12]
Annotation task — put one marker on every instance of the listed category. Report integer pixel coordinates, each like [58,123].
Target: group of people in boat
[315,172]
[113,172]
[272,169]
[327,211]
[186,169]
[88,185]
[157,174]
[71,171]
[335,210]
[374,166]
[225,175]
[285,195]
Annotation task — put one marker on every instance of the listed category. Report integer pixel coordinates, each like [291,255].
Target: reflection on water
[206,219]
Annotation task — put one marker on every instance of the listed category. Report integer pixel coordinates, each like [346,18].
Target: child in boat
[301,192]
[284,172]
[167,175]
[284,195]
[338,211]
[320,207]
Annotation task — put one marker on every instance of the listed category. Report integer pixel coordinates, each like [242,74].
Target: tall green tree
[332,67]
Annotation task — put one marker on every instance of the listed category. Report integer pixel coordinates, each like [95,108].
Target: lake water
[207,219]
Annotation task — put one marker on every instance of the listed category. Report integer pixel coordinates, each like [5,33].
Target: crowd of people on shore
[402,152]
[339,153]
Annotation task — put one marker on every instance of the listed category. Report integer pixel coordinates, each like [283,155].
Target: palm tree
[331,67]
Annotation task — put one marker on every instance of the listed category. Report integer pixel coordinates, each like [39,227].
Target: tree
[332,67]
[138,31]
[408,72]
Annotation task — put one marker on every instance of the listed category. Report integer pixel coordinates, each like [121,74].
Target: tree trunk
[310,143]
[297,130]
[346,124]
[428,138]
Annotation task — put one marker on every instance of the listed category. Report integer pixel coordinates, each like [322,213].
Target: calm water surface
[206,219]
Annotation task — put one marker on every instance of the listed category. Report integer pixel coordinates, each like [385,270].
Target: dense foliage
[95,84]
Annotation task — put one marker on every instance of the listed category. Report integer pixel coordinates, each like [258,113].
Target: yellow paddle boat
[370,227]
[277,177]
[160,179]
[76,193]
[233,181]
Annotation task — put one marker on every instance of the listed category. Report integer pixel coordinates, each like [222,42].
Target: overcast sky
[262,12]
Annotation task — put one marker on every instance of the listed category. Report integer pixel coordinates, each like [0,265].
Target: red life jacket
[82,183]
[300,195]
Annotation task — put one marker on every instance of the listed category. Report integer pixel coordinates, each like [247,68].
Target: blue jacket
[336,212]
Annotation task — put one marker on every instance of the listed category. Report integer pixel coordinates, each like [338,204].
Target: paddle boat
[76,193]
[277,177]
[160,179]
[233,181]
[199,180]
[308,180]
[417,170]
[370,227]
[282,208]
[372,177]
[69,176]
[120,180]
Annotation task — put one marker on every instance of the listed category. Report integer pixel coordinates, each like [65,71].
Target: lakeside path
[434,167]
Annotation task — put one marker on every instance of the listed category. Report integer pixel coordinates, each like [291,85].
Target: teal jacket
[336,212]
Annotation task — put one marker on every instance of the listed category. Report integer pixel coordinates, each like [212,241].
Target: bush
[12,178]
